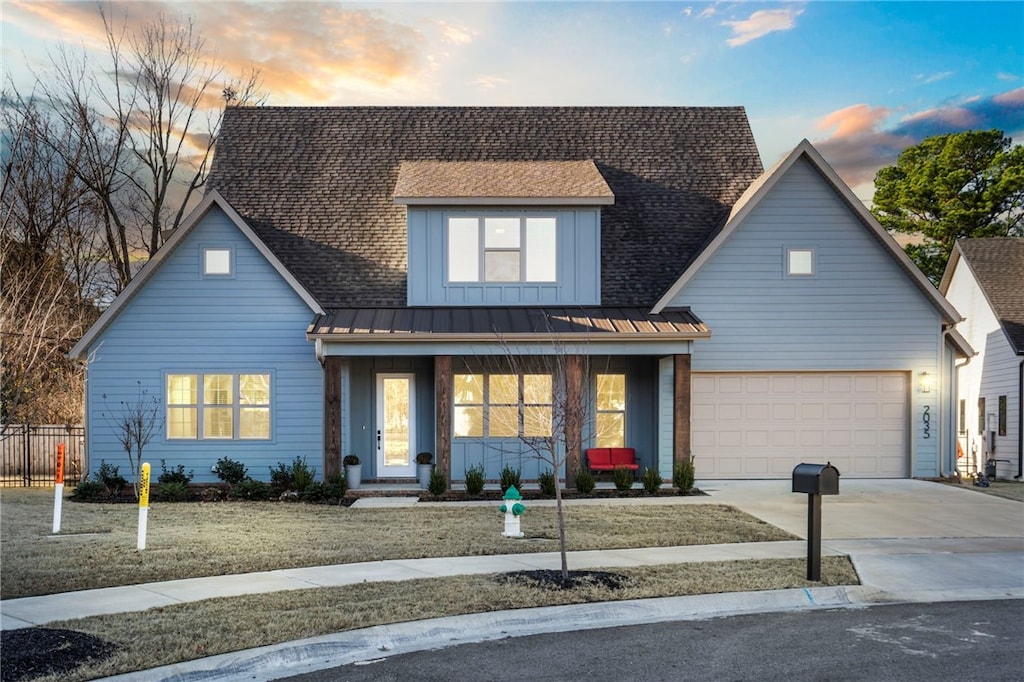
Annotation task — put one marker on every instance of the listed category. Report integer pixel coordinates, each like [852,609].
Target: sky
[860,80]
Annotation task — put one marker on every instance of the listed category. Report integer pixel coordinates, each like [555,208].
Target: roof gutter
[1020,420]
[545,337]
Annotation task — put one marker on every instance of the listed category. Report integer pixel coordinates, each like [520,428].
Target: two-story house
[384,281]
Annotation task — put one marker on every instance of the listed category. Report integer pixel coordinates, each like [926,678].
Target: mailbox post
[815,480]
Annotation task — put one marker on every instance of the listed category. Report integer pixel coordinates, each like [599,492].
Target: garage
[761,425]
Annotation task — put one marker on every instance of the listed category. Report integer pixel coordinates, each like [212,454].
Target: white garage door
[763,425]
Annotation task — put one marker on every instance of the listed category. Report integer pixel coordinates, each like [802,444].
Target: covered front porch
[532,399]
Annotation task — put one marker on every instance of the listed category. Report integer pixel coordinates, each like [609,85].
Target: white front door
[396,424]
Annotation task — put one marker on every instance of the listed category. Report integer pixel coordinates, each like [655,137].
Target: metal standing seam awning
[448,324]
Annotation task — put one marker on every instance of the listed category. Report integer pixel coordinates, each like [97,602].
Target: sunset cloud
[760,24]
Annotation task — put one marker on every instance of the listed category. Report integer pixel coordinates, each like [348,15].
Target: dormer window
[502,249]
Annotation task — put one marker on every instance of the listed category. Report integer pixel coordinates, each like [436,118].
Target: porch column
[443,410]
[332,415]
[681,411]
[573,417]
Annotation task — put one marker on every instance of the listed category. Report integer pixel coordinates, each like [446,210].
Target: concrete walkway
[909,541]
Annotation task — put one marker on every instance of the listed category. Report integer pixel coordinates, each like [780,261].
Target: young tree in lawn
[134,424]
[947,187]
[550,412]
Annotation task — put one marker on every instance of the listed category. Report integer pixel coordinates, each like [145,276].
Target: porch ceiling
[512,324]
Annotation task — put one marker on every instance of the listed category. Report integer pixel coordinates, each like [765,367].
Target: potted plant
[353,471]
[423,468]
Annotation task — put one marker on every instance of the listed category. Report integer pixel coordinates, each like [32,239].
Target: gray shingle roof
[317,184]
[998,265]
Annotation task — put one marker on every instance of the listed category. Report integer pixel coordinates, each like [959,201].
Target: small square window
[216,261]
[799,262]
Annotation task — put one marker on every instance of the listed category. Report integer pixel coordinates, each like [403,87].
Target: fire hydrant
[513,510]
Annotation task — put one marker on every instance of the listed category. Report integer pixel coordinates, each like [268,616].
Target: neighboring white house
[984,280]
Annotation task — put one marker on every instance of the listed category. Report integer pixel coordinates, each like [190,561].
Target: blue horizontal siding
[182,322]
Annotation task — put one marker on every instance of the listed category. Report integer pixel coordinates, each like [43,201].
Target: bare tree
[134,424]
[144,125]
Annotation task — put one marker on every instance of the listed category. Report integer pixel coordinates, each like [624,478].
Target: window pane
[469,389]
[503,422]
[504,389]
[217,262]
[181,389]
[801,262]
[611,430]
[536,420]
[501,233]
[537,389]
[181,422]
[463,250]
[501,266]
[541,251]
[254,422]
[254,389]
[217,389]
[468,422]
[611,391]
[217,422]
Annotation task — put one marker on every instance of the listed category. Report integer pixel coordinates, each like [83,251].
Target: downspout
[953,407]
[318,347]
[1020,421]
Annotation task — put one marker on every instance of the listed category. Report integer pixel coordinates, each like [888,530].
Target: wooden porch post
[573,417]
[332,415]
[443,408]
[681,411]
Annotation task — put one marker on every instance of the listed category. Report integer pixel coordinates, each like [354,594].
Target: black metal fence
[28,454]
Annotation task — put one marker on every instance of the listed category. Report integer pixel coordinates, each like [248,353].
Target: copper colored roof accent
[425,182]
[536,324]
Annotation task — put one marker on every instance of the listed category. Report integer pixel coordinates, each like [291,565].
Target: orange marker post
[143,505]
[58,488]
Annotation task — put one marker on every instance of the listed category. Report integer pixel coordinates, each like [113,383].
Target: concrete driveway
[877,509]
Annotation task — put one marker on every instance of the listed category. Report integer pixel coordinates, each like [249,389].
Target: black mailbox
[816,479]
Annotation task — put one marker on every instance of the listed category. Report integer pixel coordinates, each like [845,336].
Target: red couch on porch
[609,459]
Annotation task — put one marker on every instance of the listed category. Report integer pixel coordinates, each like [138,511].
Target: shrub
[585,482]
[175,475]
[652,480]
[336,485]
[509,478]
[251,489]
[230,471]
[294,477]
[173,491]
[438,483]
[111,479]
[87,491]
[682,476]
[319,492]
[546,480]
[424,458]
[474,480]
[350,460]
[623,478]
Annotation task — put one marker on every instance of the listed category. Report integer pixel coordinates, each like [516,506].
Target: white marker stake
[143,505]
[58,489]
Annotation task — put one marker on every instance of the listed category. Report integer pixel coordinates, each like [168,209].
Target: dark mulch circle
[34,652]
[552,580]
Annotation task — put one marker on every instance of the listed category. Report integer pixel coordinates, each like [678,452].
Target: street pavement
[910,541]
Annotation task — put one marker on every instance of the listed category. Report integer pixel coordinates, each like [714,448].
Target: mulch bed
[34,652]
[552,580]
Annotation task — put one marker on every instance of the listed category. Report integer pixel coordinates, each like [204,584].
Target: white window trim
[483,249]
[235,406]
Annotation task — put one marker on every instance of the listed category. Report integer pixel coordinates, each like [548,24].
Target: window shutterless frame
[502,249]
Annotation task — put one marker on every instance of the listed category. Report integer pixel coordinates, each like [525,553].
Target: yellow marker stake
[143,505]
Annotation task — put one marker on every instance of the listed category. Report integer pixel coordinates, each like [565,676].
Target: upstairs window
[216,262]
[799,262]
[502,249]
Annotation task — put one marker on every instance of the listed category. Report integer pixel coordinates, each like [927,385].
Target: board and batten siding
[182,322]
[859,311]
[578,262]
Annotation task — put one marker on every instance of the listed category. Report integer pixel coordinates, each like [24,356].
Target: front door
[395,425]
